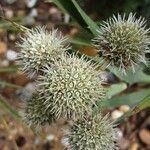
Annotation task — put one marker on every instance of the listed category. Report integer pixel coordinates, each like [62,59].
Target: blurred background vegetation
[102,9]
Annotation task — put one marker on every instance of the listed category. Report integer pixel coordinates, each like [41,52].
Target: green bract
[122,42]
[70,86]
[39,47]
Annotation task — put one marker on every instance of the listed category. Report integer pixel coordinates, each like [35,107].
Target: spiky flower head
[93,133]
[123,41]
[71,86]
[39,47]
[34,112]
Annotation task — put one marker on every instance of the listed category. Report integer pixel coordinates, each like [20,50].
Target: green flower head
[71,86]
[34,112]
[123,41]
[93,133]
[39,47]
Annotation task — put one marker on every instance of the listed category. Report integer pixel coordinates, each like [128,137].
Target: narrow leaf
[115,89]
[4,104]
[16,25]
[132,77]
[80,41]
[145,103]
[9,69]
[74,10]
[6,84]
[129,99]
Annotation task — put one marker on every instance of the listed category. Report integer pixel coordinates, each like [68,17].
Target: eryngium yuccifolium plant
[70,87]
[34,112]
[93,133]
[123,41]
[38,47]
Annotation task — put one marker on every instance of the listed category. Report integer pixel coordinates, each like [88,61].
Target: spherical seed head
[71,87]
[122,42]
[38,47]
[34,112]
[93,133]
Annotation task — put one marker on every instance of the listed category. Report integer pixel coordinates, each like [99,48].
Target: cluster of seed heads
[37,47]
[71,87]
[122,42]
[93,133]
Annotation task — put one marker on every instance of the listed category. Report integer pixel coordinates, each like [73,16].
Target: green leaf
[145,103]
[74,10]
[132,77]
[6,84]
[9,108]
[115,89]
[80,41]
[16,25]
[130,99]
[7,24]
[9,69]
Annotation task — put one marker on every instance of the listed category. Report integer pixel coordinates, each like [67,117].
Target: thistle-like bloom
[93,133]
[39,47]
[34,112]
[71,86]
[122,42]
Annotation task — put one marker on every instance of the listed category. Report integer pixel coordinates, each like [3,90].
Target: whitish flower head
[71,86]
[123,41]
[93,133]
[39,47]
[34,112]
